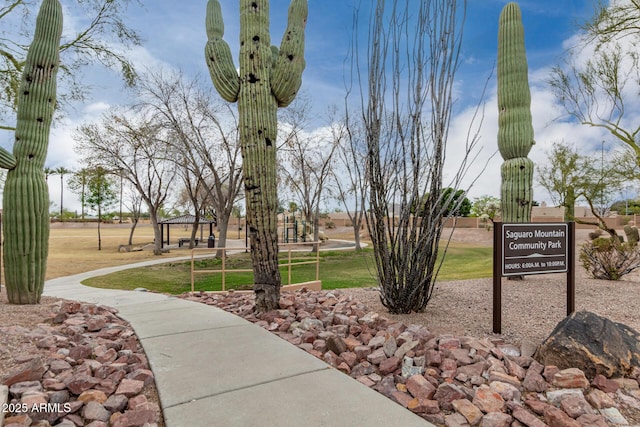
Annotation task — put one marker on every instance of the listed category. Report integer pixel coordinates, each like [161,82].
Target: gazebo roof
[187,219]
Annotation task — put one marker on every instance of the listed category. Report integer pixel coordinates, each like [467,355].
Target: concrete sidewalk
[215,369]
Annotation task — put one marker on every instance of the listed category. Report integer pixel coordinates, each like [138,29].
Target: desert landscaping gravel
[531,308]
[460,311]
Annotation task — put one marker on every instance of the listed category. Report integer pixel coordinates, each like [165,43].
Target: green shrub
[595,234]
[632,235]
[609,258]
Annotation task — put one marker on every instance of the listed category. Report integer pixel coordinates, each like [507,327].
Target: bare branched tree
[203,141]
[131,146]
[406,99]
[598,82]
[350,176]
[613,20]
[306,161]
[600,91]
[192,195]
[133,203]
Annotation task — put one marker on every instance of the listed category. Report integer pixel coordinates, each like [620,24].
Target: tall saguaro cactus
[26,195]
[515,130]
[269,78]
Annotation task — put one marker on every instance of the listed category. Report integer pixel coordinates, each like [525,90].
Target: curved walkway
[215,369]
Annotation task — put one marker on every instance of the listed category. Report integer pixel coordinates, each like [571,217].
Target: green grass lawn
[338,269]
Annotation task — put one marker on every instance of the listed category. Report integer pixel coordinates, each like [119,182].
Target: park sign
[520,249]
[534,248]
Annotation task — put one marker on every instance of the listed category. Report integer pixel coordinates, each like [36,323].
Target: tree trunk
[193,236]
[356,235]
[99,222]
[82,201]
[316,232]
[133,228]
[223,229]
[194,230]
[157,233]
[61,195]
[356,222]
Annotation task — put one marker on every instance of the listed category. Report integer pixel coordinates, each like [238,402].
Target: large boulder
[592,343]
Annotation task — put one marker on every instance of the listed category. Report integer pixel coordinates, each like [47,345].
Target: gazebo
[185,220]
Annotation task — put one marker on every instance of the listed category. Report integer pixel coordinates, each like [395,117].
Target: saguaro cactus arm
[218,54]
[287,72]
[7,160]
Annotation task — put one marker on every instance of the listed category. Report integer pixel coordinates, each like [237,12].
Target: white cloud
[550,121]
[548,126]
[96,108]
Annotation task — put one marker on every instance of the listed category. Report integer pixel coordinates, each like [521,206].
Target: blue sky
[174,37]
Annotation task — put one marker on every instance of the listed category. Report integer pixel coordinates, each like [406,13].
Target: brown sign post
[532,248]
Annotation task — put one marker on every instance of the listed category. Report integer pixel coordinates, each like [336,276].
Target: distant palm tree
[48,171]
[62,171]
[78,184]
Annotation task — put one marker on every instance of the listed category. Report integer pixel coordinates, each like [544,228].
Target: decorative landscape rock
[90,366]
[447,380]
[592,343]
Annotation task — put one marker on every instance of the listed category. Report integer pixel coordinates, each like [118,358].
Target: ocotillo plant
[515,130]
[26,195]
[269,78]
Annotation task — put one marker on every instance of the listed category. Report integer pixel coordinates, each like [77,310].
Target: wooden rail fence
[289,248]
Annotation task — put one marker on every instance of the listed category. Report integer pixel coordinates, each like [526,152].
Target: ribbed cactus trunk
[515,130]
[26,195]
[269,78]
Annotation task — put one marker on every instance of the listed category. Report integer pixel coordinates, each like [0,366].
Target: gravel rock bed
[447,379]
[79,365]
[530,308]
